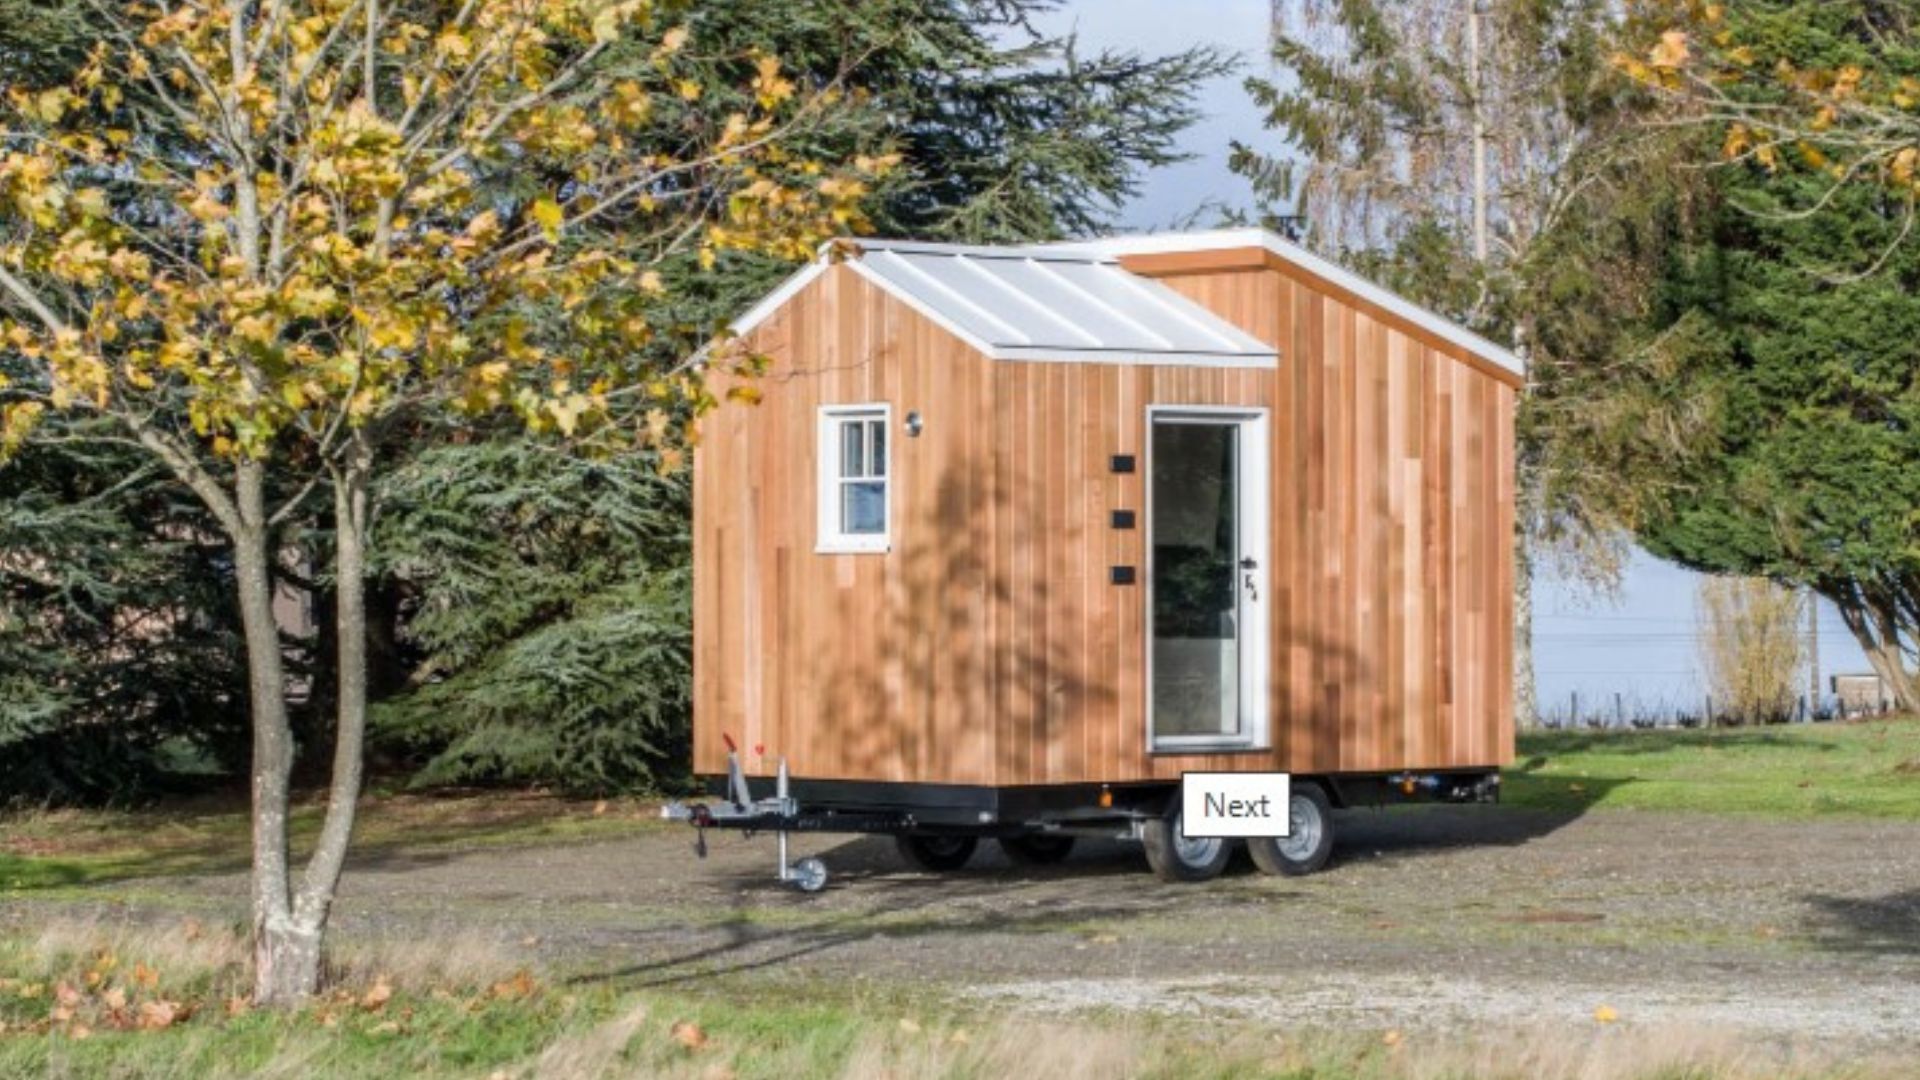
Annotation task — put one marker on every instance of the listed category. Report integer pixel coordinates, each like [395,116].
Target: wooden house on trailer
[1016,536]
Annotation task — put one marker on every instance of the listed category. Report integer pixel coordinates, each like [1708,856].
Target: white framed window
[855,494]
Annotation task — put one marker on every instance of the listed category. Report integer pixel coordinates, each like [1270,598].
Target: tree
[270,241]
[1750,647]
[1430,145]
[1784,301]
[117,636]
[539,647]
[549,598]
[1826,88]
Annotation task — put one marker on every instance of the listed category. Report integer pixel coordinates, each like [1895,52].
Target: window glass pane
[877,439]
[850,431]
[863,507]
[1196,578]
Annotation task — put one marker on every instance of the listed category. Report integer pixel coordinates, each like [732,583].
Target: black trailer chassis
[1123,810]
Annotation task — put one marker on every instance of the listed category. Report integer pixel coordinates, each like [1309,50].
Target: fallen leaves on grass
[159,1015]
[519,987]
[377,997]
[688,1034]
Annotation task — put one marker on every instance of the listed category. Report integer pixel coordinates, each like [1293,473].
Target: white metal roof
[1041,303]
[1218,239]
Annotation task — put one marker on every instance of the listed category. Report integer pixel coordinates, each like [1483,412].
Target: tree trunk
[278,968]
[1876,628]
[322,878]
[1526,703]
[286,960]
[289,931]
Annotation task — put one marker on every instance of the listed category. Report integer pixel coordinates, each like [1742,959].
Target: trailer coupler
[779,815]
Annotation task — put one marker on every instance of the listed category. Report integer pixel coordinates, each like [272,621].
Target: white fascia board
[774,300]
[1218,239]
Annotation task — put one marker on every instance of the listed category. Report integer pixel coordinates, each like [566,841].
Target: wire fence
[1626,711]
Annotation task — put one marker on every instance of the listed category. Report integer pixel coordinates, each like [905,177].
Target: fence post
[1619,711]
[1706,721]
[1573,715]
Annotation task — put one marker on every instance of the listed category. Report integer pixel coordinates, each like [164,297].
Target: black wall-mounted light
[914,425]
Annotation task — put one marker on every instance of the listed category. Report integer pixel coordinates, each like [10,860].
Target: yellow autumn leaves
[1844,120]
[480,228]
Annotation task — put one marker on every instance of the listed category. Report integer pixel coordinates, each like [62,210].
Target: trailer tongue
[781,814]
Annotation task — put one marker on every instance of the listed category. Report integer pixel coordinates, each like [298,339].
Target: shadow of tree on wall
[966,643]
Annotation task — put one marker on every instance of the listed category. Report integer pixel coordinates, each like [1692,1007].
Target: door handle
[1248,565]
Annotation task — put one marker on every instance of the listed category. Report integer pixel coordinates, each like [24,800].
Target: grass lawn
[1868,768]
[164,1002]
[43,850]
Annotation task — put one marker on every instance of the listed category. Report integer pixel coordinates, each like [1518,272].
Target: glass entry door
[1206,576]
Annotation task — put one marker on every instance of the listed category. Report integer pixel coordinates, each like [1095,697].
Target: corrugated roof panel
[926,281]
[1028,303]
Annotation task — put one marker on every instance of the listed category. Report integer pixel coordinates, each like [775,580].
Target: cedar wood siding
[987,646]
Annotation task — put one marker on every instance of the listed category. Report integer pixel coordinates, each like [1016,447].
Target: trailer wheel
[936,853]
[810,875]
[1036,849]
[1174,856]
[1309,839]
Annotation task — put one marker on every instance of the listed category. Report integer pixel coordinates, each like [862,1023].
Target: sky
[1640,642]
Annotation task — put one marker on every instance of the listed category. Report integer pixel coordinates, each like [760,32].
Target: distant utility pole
[1476,100]
[1813,652]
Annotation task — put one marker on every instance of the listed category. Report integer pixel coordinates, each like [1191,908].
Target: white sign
[1233,804]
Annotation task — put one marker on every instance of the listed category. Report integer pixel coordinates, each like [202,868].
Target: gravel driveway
[1441,916]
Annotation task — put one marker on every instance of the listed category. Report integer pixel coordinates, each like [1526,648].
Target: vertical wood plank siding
[988,646]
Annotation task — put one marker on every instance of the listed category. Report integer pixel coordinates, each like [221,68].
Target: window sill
[850,548]
[1198,748]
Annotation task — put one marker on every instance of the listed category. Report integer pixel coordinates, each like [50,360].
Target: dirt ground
[1437,917]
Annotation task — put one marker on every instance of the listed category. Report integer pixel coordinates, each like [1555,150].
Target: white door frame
[1253,518]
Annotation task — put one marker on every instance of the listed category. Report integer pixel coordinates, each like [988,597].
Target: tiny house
[1017,536]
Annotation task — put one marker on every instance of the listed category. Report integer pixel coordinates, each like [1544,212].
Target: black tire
[936,853]
[1310,839]
[1175,858]
[1037,849]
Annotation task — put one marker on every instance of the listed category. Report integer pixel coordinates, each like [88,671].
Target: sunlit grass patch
[1792,770]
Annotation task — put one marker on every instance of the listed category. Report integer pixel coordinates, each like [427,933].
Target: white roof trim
[774,300]
[1218,239]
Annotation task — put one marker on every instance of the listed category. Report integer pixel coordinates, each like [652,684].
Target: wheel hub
[1304,826]
[1195,851]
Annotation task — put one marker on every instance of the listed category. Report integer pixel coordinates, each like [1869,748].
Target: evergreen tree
[1736,305]
[118,649]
